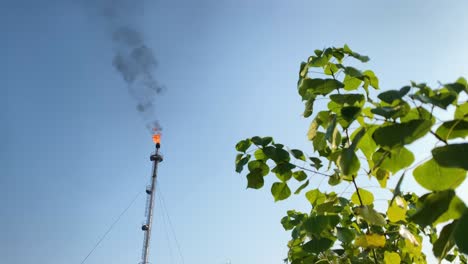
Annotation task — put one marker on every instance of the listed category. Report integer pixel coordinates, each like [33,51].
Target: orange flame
[157,138]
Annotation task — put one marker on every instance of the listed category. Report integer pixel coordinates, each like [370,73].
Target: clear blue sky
[75,152]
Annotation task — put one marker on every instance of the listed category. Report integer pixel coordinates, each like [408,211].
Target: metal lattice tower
[156,158]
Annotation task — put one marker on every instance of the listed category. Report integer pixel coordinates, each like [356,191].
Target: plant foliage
[340,229]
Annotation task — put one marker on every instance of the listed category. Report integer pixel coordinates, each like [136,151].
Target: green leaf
[397,135]
[319,61]
[445,241]
[453,156]
[348,162]
[317,162]
[456,209]
[299,175]
[393,95]
[350,113]
[309,107]
[393,160]
[317,224]
[397,211]
[330,69]
[315,197]
[370,241]
[461,231]
[313,128]
[351,83]
[319,142]
[353,72]
[391,258]
[255,180]
[261,141]
[283,171]
[303,69]
[331,130]
[453,129]
[366,197]
[373,80]
[418,113]
[318,245]
[259,166]
[302,187]
[318,86]
[394,112]
[280,191]
[432,176]
[334,179]
[370,215]
[431,206]
[298,154]
[276,154]
[441,98]
[241,161]
[243,145]
[258,154]
[345,235]
[461,112]
[348,99]
[366,144]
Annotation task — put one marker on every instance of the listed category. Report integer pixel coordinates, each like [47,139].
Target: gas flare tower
[156,158]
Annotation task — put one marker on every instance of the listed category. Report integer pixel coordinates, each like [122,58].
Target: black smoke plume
[133,59]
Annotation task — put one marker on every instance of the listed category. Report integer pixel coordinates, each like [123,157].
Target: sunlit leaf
[397,210]
[391,258]
[351,83]
[258,154]
[461,112]
[370,241]
[434,177]
[366,197]
[315,197]
[373,80]
[280,191]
